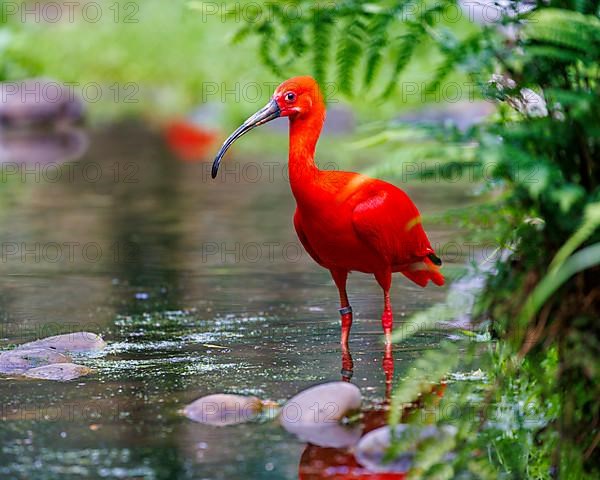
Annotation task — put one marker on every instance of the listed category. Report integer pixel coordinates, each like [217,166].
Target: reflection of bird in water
[318,463]
[387,364]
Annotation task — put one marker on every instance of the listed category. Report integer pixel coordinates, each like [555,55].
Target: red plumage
[345,221]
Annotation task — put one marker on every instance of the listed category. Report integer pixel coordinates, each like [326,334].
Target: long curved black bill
[269,112]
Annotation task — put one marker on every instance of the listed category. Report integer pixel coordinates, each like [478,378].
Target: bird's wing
[390,224]
[304,240]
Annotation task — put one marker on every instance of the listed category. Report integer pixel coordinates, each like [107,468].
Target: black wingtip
[435,259]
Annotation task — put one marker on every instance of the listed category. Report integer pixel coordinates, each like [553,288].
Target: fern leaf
[428,370]
[266,47]
[406,49]
[377,32]
[348,53]
[565,28]
[322,27]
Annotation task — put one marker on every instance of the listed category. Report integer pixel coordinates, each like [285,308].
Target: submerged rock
[329,436]
[69,342]
[372,448]
[322,404]
[22,359]
[223,409]
[62,372]
[316,415]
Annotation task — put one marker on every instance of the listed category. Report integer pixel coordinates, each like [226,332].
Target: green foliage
[582,260]
[349,53]
[539,156]
[170,59]
[362,34]
[429,370]
[540,164]
[586,230]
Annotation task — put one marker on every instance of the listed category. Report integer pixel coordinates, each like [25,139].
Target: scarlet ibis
[346,221]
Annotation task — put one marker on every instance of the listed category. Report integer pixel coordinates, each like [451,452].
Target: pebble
[316,415]
[69,342]
[61,372]
[20,360]
[223,409]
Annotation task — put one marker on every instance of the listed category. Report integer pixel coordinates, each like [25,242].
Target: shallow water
[199,287]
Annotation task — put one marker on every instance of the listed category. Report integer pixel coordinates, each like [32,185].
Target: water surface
[199,287]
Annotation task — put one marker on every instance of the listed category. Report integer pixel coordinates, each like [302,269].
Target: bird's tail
[425,270]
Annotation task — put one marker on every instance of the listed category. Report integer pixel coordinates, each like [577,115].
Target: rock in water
[325,403]
[328,436]
[371,452]
[69,342]
[22,359]
[316,414]
[62,372]
[37,102]
[223,409]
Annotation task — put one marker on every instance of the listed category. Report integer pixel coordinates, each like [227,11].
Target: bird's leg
[385,281]
[387,319]
[340,277]
[388,370]
[347,364]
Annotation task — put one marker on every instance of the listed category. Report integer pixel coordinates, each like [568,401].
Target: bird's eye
[290,97]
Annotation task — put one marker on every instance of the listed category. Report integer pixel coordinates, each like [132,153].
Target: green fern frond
[296,38]
[378,39]
[348,53]
[428,370]
[565,28]
[406,48]
[442,72]
[322,31]
[549,52]
[265,51]
[242,34]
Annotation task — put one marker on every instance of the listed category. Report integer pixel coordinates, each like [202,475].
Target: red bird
[345,221]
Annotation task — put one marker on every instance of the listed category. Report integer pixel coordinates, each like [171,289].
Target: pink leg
[340,277]
[387,320]
[347,364]
[385,281]
[388,370]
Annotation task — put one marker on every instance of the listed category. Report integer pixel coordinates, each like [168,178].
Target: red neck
[304,134]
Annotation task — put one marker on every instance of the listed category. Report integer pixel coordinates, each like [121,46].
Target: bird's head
[295,98]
